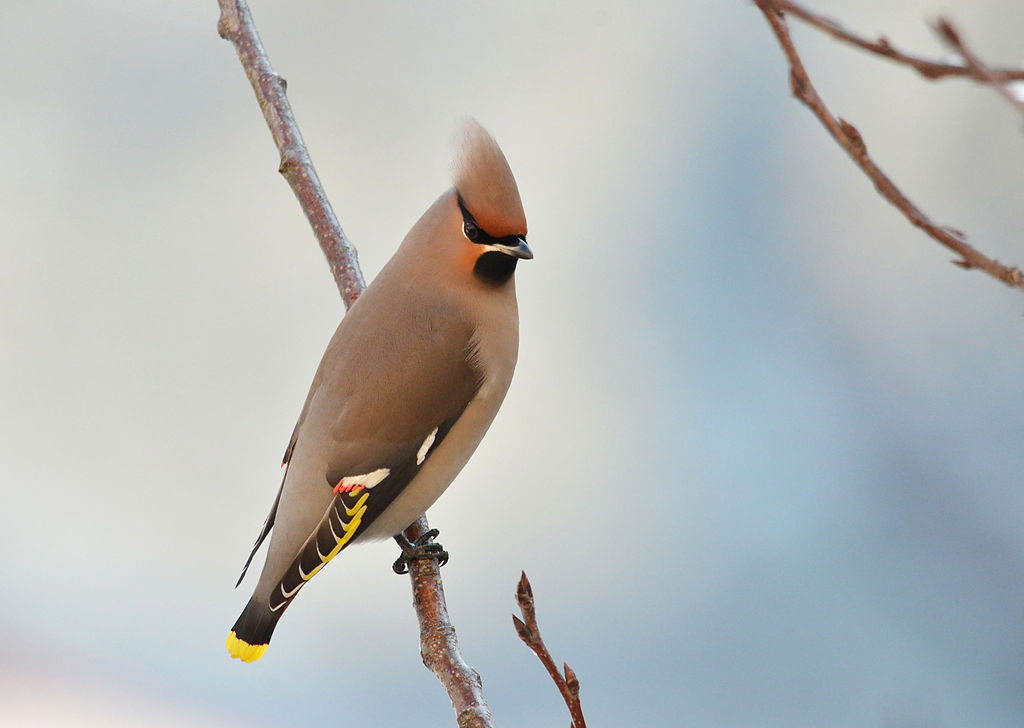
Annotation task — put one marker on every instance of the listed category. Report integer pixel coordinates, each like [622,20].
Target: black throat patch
[495,267]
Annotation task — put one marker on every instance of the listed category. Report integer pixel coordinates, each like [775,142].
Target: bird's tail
[250,636]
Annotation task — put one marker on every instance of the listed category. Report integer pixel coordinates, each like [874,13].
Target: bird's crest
[484,181]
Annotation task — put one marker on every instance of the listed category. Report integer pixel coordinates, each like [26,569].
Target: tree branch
[931,70]
[529,632]
[439,647]
[236,26]
[847,136]
[979,69]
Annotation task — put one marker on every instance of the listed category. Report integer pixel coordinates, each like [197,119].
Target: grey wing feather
[267,526]
[272,516]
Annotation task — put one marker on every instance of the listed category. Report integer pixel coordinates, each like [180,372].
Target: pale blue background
[762,457]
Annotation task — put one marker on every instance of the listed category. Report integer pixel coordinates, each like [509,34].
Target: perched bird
[409,383]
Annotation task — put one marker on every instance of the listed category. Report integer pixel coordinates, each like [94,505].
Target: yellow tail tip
[242,649]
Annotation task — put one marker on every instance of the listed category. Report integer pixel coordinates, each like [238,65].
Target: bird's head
[493,221]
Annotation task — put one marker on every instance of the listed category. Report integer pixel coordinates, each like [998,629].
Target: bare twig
[847,136]
[236,25]
[929,69]
[979,69]
[439,647]
[529,632]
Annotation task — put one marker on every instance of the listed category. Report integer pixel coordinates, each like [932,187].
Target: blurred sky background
[762,456]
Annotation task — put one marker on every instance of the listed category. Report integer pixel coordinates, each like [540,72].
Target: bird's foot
[423,548]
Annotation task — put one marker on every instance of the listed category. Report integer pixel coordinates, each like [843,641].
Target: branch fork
[850,139]
[529,632]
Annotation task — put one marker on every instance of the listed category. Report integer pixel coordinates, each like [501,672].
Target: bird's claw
[422,548]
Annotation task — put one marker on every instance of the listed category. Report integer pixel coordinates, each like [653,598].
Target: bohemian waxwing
[406,389]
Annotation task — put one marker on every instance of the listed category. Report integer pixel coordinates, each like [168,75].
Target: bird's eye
[471,231]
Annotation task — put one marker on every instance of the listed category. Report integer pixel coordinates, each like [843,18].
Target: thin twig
[979,68]
[930,69]
[529,632]
[236,25]
[847,136]
[439,647]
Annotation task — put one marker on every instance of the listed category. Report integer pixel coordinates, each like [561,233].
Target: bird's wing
[354,507]
[386,430]
[269,523]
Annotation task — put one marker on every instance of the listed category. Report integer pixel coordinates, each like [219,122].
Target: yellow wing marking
[348,531]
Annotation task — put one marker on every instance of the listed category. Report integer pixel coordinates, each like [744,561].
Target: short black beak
[519,250]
